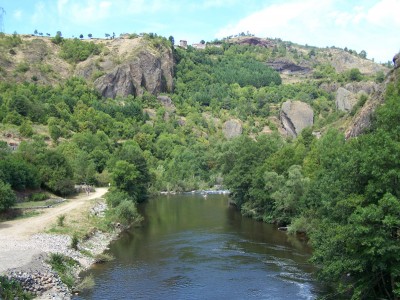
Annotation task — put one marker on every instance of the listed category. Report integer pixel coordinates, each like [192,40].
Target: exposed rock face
[166,102]
[345,100]
[295,116]
[348,96]
[396,60]
[232,128]
[255,41]
[362,120]
[367,87]
[143,72]
[343,61]
[284,65]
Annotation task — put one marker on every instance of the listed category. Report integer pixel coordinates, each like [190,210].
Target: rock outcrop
[284,65]
[343,61]
[347,96]
[345,100]
[129,67]
[295,116]
[232,128]
[361,122]
[144,72]
[396,60]
[166,102]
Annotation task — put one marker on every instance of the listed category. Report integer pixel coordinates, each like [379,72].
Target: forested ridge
[342,193]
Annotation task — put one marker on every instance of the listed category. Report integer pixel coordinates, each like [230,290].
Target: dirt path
[17,243]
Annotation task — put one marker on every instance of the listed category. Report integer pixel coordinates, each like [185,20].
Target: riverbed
[198,247]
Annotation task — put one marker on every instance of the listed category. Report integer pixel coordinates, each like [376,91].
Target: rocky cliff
[123,67]
[295,116]
[349,95]
[132,67]
[361,122]
[232,128]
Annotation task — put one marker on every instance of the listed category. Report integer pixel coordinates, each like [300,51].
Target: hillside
[266,119]
[131,65]
[165,99]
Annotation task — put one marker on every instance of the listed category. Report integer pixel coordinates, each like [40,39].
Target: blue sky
[370,25]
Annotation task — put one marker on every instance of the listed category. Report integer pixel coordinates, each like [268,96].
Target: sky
[370,25]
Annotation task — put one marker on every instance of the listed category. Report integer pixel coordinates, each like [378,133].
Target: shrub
[38,197]
[380,77]
[115,197]
[11,289]
[22,67]
[103,257]
[76,50]
[74,242]
[97,74]
[354,75]
[60,220]
[64,267]
[7,196]
[126,212]
[87,283]
[26,129]
[360,103]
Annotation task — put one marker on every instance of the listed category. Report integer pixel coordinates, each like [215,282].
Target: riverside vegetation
[343,193]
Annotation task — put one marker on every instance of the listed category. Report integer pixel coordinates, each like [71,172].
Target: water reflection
[192,247]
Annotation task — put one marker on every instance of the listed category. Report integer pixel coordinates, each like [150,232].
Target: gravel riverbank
[37,276]
[24,258]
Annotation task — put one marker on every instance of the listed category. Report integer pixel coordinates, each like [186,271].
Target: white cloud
[60,6]
[384,13]
[373,28]
[39,13]
[90,11]
[17,15]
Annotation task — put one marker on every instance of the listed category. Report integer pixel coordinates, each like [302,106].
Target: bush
[26,129]
[11,289]
[22,67]
[38,197]
[126,212]
[60,220]
[115,197]
[103,257]
[64,267]
[360,103]
[87,283]
[7,196]
[76,50]
[354,75]
[74,242]
[380,77]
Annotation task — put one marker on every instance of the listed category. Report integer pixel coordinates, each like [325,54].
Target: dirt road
[17,241]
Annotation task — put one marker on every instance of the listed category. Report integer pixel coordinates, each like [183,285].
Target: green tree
[172,40]
[26,129]
[56,173]
[7,196]
[354,75]
[125,177]
[58,39]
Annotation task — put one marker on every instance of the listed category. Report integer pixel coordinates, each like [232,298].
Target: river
[191,247]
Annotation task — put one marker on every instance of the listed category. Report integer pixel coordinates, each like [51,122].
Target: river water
[191,247]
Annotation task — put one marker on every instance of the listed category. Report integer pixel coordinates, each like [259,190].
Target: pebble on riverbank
[37,276]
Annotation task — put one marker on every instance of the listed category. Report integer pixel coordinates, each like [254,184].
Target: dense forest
[343,194]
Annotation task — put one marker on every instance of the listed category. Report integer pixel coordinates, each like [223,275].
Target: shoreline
[38,277]
[24,258]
